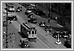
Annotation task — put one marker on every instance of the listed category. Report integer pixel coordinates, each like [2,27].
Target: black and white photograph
[36,25]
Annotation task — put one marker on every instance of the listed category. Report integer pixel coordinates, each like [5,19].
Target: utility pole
[50,10]
[50,14]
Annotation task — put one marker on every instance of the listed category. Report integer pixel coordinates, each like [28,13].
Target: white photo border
[39,2]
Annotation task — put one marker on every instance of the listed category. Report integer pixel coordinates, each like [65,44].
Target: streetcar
[30,32]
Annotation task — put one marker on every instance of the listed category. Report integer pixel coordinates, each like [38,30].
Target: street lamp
[58,42]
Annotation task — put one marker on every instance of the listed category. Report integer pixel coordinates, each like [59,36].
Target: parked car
[42,24]
[11,9]
[12,18]
[24,43]
[19,9]
[34,21]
